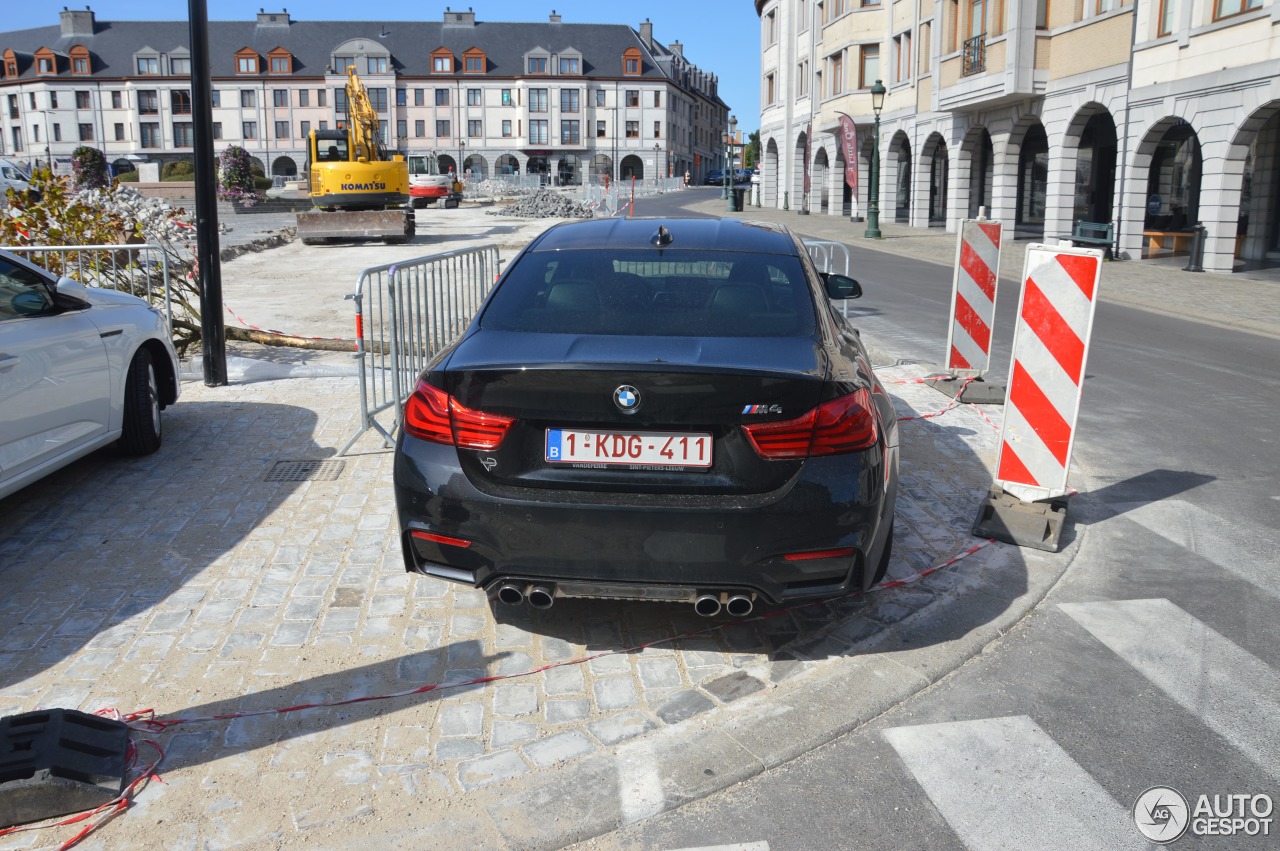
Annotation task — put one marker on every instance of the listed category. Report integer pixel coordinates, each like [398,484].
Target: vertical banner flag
[1046,373]
[973,298]
[808,143]
[849,143]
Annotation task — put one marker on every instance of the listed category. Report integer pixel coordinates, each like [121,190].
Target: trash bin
[739,198]
[1195,259]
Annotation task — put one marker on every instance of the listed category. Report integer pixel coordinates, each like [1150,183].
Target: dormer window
[180,66]
[474,61]
[280,61]
[570,63]
[441,61]
[247,62]
[46,61]
[80,61]
[631,61]
[537,61]
[376,64]
[10,64]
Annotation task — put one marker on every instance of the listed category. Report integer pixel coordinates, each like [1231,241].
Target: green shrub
[262,184]
[178,170]
[127,177]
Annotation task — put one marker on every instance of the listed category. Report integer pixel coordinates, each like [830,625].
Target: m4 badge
[762,409]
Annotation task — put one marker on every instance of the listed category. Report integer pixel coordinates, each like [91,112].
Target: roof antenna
[661,237]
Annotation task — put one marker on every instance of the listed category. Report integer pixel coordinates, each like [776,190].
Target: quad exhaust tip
[708,605]
[540,597]
[739,606]
[512,595]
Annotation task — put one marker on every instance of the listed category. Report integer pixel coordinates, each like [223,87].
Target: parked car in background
[653,409]
[80,368]
[714,178]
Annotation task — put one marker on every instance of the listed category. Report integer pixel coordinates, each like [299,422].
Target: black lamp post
[873,203]
[728,161]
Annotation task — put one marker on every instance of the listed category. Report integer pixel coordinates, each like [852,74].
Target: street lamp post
[728,161]
[657,168]
[873,203]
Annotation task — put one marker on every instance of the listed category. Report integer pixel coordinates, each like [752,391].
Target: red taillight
[432,414]
[837,427]
[842,552]
[440,539]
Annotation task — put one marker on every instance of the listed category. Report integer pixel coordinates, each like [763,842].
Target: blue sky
[722,36]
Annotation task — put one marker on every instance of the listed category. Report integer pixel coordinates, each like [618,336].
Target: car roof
[705,234]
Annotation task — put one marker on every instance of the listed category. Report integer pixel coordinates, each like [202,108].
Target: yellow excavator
[359,190]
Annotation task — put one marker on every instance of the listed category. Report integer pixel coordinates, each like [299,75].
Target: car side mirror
[73,288]
[841,286]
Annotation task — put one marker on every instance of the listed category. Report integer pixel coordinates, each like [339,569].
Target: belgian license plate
[640,449]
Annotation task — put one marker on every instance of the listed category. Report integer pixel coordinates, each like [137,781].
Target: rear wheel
[883,567]
[141,432]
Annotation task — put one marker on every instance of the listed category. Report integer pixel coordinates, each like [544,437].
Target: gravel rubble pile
[496,188]
[546,204]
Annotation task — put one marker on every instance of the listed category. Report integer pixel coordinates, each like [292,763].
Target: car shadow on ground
[111,548]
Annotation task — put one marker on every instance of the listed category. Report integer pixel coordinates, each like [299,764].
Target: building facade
[1152,117]
[567,100]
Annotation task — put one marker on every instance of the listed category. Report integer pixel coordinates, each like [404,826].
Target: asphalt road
[1155,662]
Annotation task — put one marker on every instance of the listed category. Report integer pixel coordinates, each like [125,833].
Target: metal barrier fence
[140,270]
[828,256]
[406,312]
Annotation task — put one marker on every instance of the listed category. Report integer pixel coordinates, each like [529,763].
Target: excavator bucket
[391,226]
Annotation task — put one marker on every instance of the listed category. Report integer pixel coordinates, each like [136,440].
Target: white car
[80,368]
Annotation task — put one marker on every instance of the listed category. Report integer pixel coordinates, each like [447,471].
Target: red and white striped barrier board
[1046,373]
[973,298]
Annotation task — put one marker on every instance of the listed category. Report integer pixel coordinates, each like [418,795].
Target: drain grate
[305,471]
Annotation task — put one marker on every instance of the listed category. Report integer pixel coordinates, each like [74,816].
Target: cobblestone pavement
[193,583]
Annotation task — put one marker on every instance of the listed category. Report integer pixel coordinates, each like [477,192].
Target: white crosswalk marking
[1245,553]
[1232,691]
[1003,783]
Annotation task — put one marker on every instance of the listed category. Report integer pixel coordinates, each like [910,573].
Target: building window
[600,97]
[282,129]
[82,100]
[569,100]
[657,129]
[633,129]
[378,99]
[506,128]
[569,65]
[79,65]
[217,130]
[570,133]
[771,28]
[537,100]
[180,102]
[538,131]
[631,60]
[506,97]
[279,97]
[150,137]
[1228,8]
[537,64]
[902,53]
[248,98]
[382,131]
[57,132]
[53,100]
[115,100]
[769,93]
[835,75]
[419,128]
[473,64]
[342,63]
[375,64]
[86,132]
[402,130]
[442,97]
[441,64]
[474,97]
[304,129]
[600,130]
[340,101]
[633,97]
[148,65]
[419,97]
[279,65]
[802,79]
[402,97]
[320,97]
[148,103]
[304,97]
[215,98]
[870,66]
[249,130]
[17,140]
[442,130]
[183,136]
[475,128]
[119,128]
[246,65]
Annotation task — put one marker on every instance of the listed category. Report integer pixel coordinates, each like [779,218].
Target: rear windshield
[649,293]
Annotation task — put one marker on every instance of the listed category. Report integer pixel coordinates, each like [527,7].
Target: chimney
[273,19]
[459,19]
[646,33]
[555,19]
[75,23]
[677,48]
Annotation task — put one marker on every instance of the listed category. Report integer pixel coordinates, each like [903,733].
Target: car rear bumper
[665,546]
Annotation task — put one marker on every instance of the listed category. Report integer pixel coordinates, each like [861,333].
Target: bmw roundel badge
[627,398]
